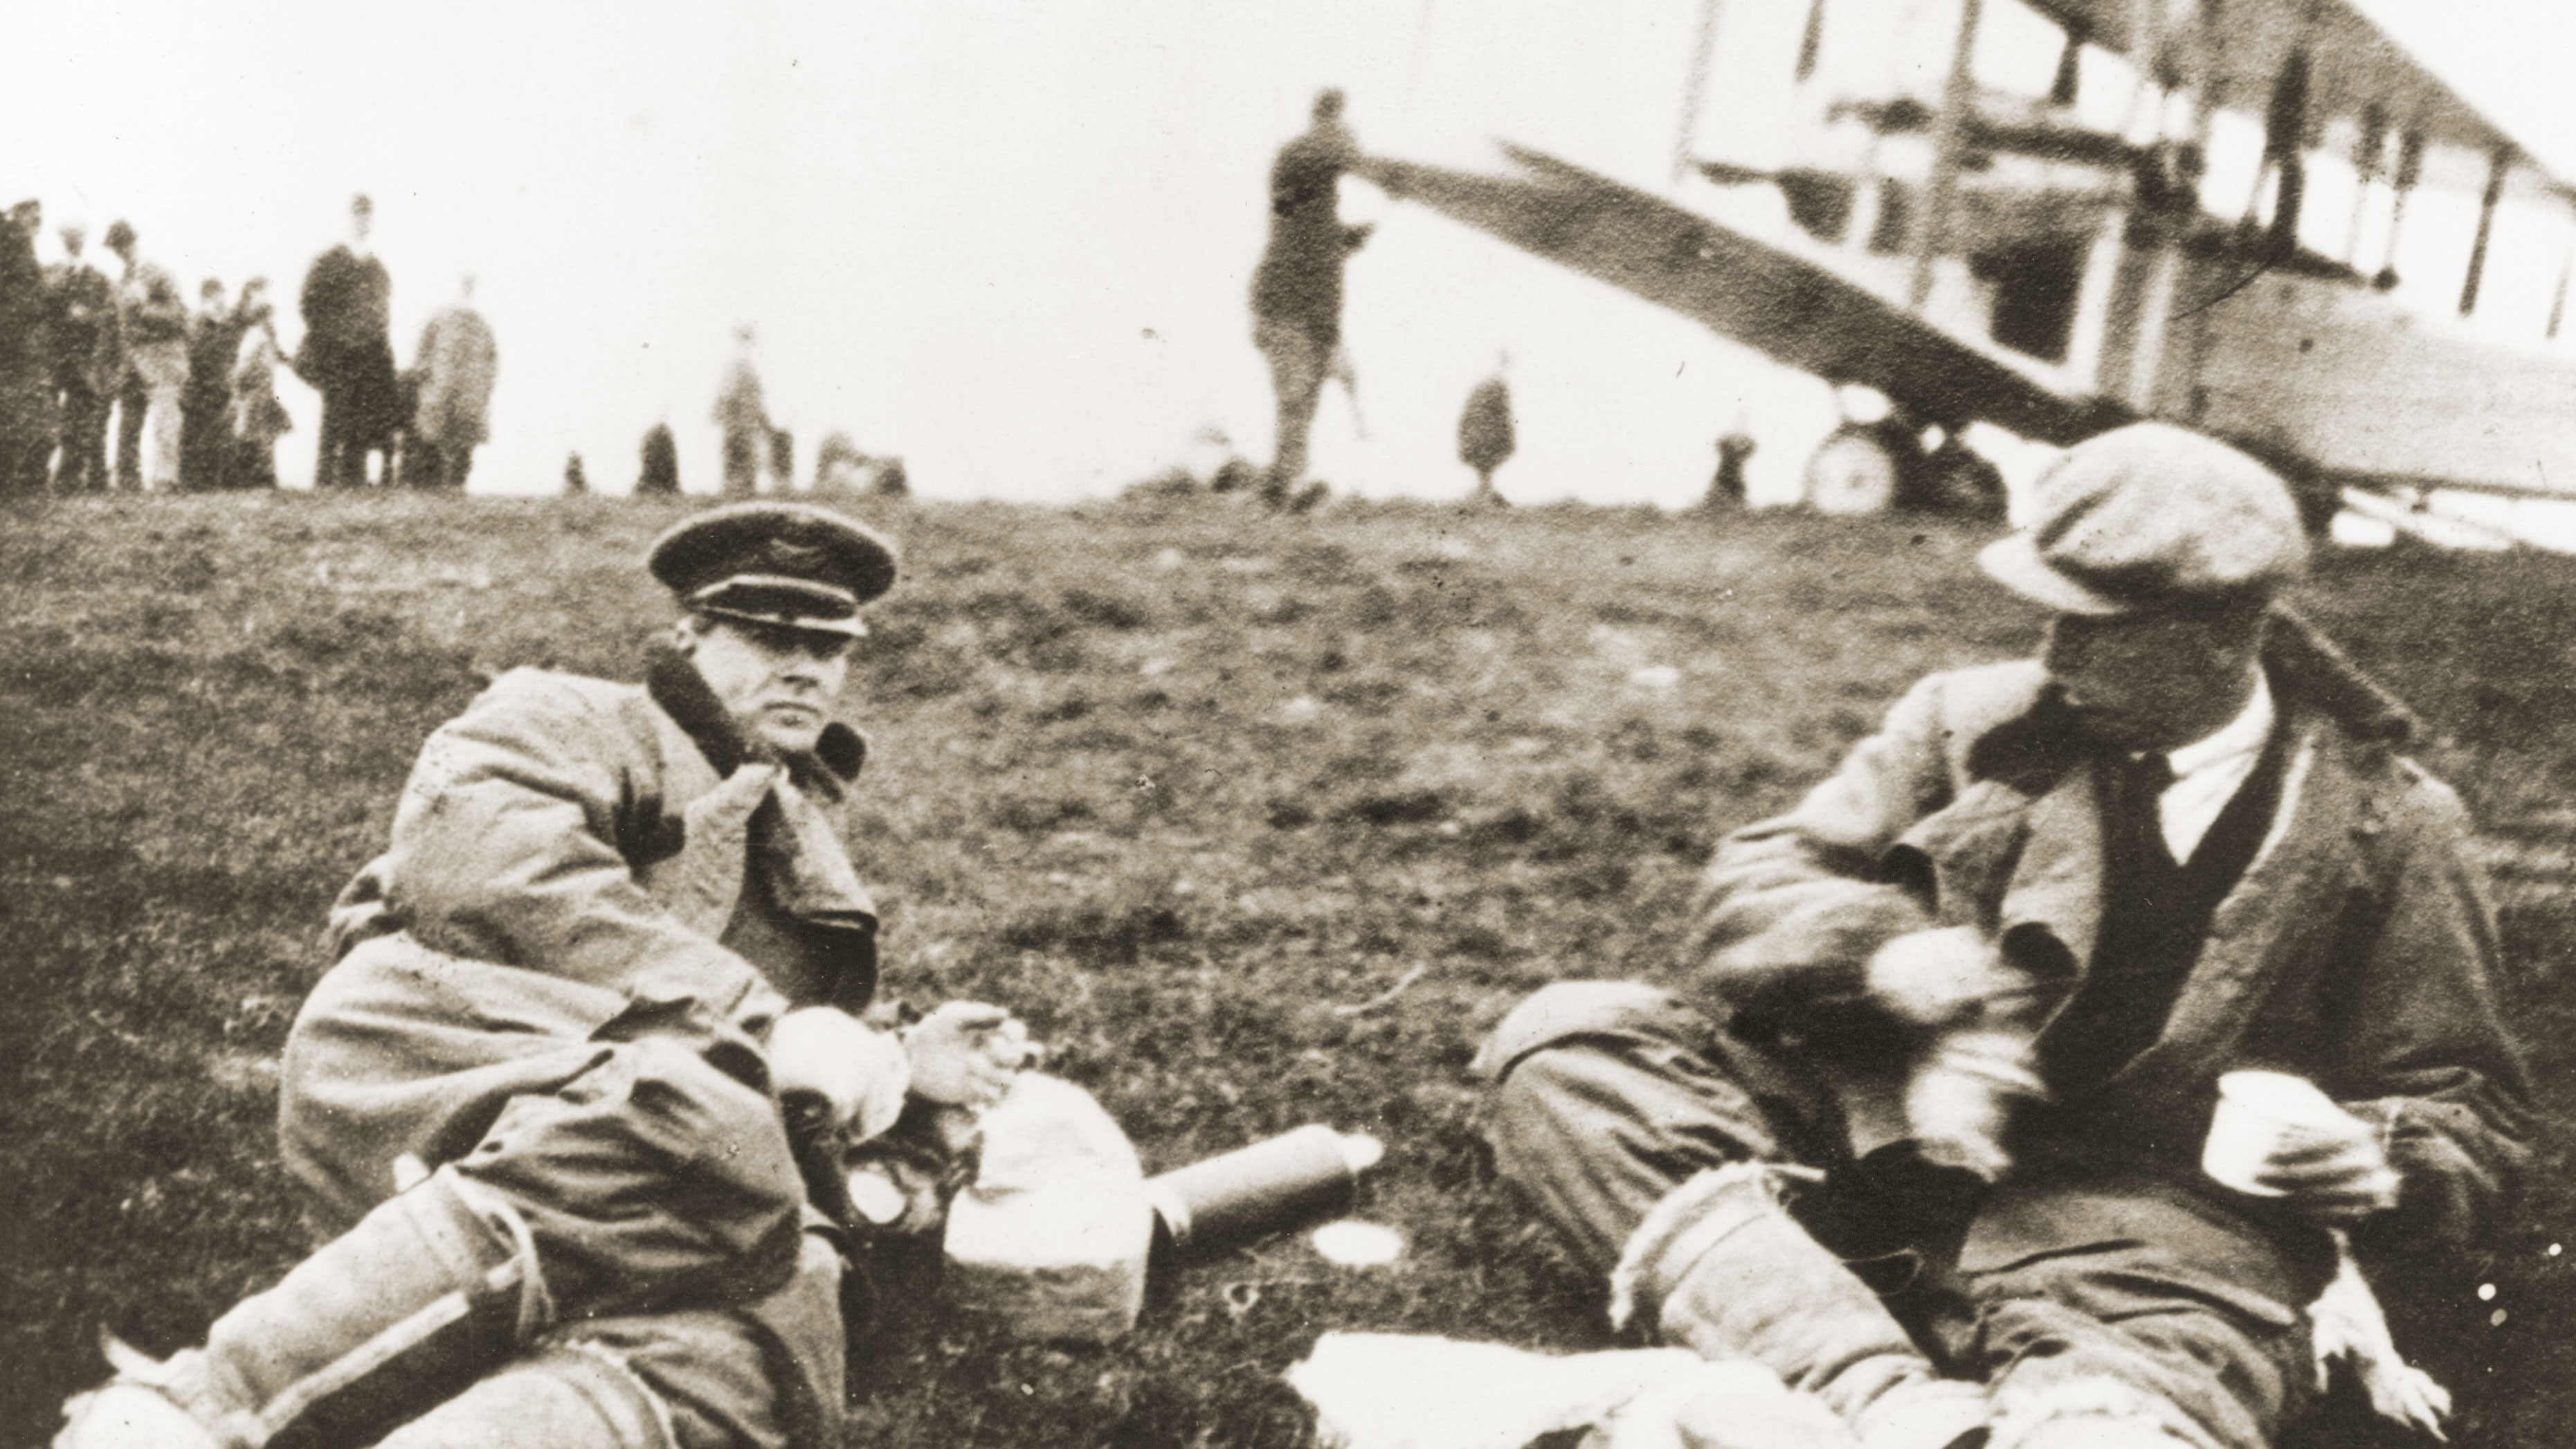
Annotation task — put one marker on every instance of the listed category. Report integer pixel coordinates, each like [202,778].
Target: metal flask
[1280,1183]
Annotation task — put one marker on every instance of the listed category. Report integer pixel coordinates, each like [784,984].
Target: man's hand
[1961,1099]
[1933,978]
[965,1053]
[859,1073]
[2277,1135]
[2332,1180]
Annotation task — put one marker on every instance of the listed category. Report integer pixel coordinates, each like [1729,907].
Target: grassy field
[1176,780]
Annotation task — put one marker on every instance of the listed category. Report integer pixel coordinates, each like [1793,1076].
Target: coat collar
[675,685]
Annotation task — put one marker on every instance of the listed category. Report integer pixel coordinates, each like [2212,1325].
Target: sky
[1007,240]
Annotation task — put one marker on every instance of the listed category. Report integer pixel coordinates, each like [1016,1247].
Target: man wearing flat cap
[1923,1126]
[537,1106]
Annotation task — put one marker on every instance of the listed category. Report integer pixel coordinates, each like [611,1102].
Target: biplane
[2200,214]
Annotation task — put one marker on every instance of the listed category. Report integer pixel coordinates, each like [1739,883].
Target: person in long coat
[152,326]
[206,402]
[1982,985]
[1485,436]
[88,359]
[457,364]
[742,415]
[348,354]
[258,418]
[26,360]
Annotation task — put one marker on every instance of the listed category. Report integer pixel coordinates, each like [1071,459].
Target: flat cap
[792,565]
[2150,516]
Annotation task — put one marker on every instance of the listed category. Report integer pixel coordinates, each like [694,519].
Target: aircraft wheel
[1853,471]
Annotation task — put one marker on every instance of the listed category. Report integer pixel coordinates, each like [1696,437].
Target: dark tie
[2139,805]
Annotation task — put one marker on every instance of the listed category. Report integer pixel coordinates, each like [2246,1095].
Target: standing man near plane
[1297,291]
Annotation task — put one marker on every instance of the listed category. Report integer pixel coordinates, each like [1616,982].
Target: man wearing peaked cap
[538,1104]
[1984,979]
[788,564]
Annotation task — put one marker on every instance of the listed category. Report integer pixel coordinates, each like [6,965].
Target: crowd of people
[192,394]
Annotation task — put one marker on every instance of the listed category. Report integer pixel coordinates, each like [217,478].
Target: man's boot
[429,1291]
[1728,1274]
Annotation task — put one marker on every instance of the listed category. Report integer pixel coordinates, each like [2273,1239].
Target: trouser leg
[133,399]
[1297,369]
[650,1184]
[330,461]
[741,464]
[1643,1135]
[163,419]
[83,466]
[2151,1319]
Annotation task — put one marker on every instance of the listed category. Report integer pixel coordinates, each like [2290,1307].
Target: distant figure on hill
[1297,290]
[457,364]
[81,328]
[1726,487]
[839,467]
[661,475]
[26,356]
[152,325]
[348,354]
[1485,440]
[258,418]
[742,411]
[576,480]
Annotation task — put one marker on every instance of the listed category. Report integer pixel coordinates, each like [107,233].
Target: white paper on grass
[1408,1391]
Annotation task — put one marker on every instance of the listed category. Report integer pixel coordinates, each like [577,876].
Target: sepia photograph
[1303,724]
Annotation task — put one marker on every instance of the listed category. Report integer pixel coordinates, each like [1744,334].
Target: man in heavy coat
[348,354]
[1982,982]
[536,1106]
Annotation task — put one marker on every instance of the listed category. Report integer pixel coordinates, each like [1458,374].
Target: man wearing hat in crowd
[535,1105]
[1951,1028]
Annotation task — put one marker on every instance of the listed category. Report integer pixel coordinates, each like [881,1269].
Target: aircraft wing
[2354,65]
[1772,300]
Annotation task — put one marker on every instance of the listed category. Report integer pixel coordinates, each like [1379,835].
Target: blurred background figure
[152,324]
[743,413]
[1297,290]
[457,363]
[258,418]
[782,459]
[661,475]
[576,479]
[1485,440]
[26,360]
[206,401]
[1726,487]
[348,354]
[81,330]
